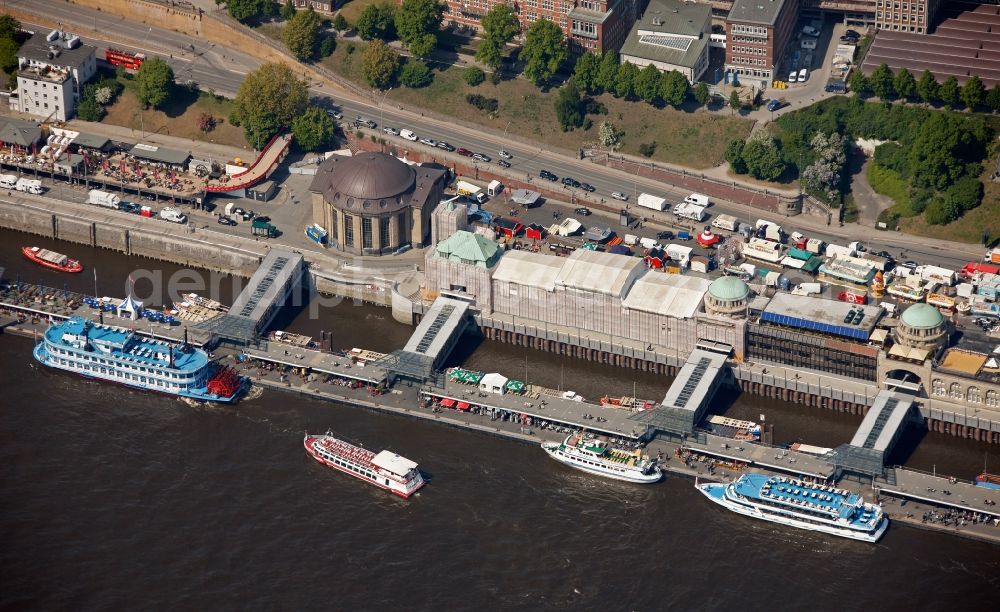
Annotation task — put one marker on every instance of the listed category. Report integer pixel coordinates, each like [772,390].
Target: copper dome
[381,180]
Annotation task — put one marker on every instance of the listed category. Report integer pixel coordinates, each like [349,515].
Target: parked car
[810,31]
[390,131]
[588,187]
[583,211]
[849,39]
[545,174]
[909,265]
[226,221]
[837,87]
[445,146]
[570,182]
[775,104]
[620,196]
[854,33]
[359,120]
[793,77]
[464,151]
[129,207]
[482,157]
[665,235]
[803,75]
[503,163]
[885,254]
[335,114]
[430,142]
[407,134]
[505,155]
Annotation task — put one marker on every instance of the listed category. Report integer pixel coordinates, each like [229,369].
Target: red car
[464,151]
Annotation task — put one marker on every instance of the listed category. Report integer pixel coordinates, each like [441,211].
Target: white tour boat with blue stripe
[796,503]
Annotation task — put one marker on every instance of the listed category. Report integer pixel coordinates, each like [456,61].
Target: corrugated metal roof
[667,294]
[529,269]
[599,272]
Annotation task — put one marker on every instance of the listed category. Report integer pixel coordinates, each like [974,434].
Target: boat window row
[813,516]
[601,464]
[125,365]
[349,466]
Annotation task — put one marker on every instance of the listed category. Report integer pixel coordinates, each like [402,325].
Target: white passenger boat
[384,469]
[593,455]
[804,505]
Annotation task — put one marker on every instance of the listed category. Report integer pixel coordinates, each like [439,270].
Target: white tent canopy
[493,383]
[130,308]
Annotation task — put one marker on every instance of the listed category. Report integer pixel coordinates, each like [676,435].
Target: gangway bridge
[431,343]
[880,429]
[692,391]
[259,170]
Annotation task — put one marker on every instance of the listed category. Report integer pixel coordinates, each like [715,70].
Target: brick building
[671,35]
[320,6]
[757,32]
[905,15]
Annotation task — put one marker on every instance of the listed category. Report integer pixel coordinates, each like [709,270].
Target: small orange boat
[51,259]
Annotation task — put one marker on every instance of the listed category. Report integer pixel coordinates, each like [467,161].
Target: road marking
[120,44]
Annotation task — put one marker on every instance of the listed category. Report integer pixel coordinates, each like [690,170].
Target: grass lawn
[352,9]
[697,140]
[179,118]
[272,30]
[969,228]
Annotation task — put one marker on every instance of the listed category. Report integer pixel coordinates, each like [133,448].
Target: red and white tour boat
[51,259]
[385,469]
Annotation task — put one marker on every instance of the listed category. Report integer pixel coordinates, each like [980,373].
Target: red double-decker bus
[128,61]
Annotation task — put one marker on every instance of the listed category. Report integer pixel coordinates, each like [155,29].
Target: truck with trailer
[467,189]
[652,202]
[726,222]
[29,186]
[769,230]
[259,227]
[687,210]
[103,198]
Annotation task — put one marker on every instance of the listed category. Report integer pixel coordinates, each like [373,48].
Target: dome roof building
[727,295]
[372,203]
[922,326]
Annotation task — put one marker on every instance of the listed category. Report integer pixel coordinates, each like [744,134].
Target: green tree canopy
[628,73]
[585,72]
[948,93]
[973,92]
[607,72]
[9,26]
[415,74]
[379,64]
[288,11]
[701,94]
[734,100]
[858,83]
[569,106]
[473,75]
[249,10]
[674,88]
[762,157]
[647,84]
[734,155]
[881,82]
[8,54]
[89,110]
[269,99]
[500,26]
[313,130]
[927,87]
[153,82]
[377,21]
[340,22]
[993,98]
[904,84]
[301,34]
[417,23]
[544,51]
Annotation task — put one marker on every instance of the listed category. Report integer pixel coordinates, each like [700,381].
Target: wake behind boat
[386,469]
[593,455]
[796,503]
[51,259]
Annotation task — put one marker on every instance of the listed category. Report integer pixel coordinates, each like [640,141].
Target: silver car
[390,131]
[620,196]
[430,142]
[482,158]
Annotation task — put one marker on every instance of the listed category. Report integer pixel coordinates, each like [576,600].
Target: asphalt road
[222,70]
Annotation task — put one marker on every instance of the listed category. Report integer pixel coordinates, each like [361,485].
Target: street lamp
[504,139]
[381,116]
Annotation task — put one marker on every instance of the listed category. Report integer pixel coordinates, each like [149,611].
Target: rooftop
[821,315]
[21,133]
[728,289]
[71,52]
[599,272]
[667,294]
[126,345]
[922,316]
[156,153]
[755,11]
[669,32]
[388,460]
[529,269]
[469,248]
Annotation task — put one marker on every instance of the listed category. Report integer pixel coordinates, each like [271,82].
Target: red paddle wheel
[225,382]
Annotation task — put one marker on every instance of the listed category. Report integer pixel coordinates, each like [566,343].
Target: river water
[115,499]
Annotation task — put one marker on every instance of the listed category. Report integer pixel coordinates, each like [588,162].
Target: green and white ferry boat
[591,454]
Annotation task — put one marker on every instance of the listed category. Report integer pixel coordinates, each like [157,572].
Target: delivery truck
[769,230]
[467,189]
[726,222]
[650,201]
[7,181]
[836,250]
[815,246]
[992,256]
[698,199]
[686,210]
[103,198]
[173,215]
[29,185]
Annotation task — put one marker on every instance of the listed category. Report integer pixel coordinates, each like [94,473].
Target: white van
[407,134]
[793,78]
[808,43]
[803,75]
[7,181]
[172,214]
[697,199]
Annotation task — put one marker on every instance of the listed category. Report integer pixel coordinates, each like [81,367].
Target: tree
[313,130]
[288,11]
[103,95]
[607,72]
[973,92]
[417,23]
[701,94]
[993,98]
[734,101]
[904,84]
[607,135]
[734,155]
[415,74]
[153,82]
[824,174]
[269,99]
[569,106]
[8,54]
[858,83]
[647,84]
[473,75]
[248,10]
[762,157]
[544,51]
[674,88]
[628,73]
[948,93]
[377,21]
[881,82]
[301,34]
[89,110]
[379,63]
[327,46]
[9,26]
[927,87]
[941,211]
[340,23]
[500,26]
[585,73]
[206,122]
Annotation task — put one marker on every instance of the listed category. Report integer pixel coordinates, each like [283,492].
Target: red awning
[447,402]
[463,405]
